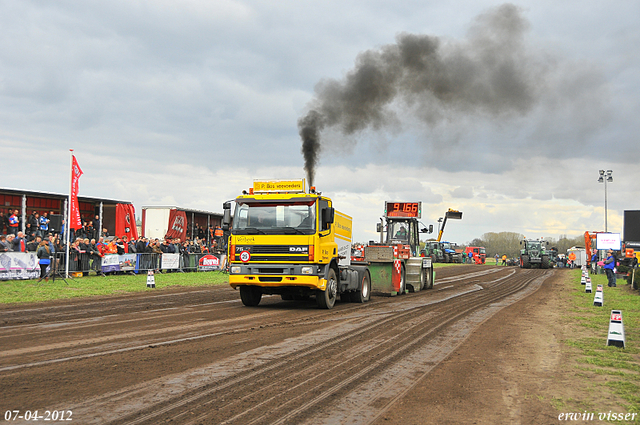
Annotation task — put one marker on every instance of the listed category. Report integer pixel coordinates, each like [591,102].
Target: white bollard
[583,280]
[616,329]
[151,279]
[587,287]
[598,299]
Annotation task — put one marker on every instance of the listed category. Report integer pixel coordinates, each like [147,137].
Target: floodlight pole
[605,176]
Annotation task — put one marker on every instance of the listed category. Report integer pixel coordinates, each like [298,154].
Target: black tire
[545,262]
[403,281]
[422,279]
[364,293]
[250,295]
[327,299]
[446,258]
[428,278]
[525,263]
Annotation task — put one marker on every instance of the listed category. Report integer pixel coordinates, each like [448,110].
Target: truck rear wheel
[250,295]
[364,293]
[326,299]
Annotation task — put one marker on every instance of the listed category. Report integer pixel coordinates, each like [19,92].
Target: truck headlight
[235,269]
[307,270]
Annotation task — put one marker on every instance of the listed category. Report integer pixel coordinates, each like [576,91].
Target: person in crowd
[14,223]
[10,238]
[44,259]
[141,245]
[95,257]
[33,245]
[111,247]
[121,247]
[51,240]
[89,230]
[100,246]
[594,261]
[96,227]
[105,233]
[609,266]
[43,224]
[74,256]
[4,245]
[32,225]
[19,244]
[157,253]
[504,259]
[3,222]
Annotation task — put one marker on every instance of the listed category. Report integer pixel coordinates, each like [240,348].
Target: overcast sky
[186,103]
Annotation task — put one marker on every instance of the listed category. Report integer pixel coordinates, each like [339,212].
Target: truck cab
[291,243]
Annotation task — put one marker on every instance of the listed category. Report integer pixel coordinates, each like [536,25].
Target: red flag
[126,221]
[75,222]
[177,225]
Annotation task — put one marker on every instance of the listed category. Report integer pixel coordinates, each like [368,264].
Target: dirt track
[199,356]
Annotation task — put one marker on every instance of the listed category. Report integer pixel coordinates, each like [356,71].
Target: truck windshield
[483,251]
[274,218]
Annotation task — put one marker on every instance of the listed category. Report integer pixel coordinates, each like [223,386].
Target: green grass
[28,291]
[620,367]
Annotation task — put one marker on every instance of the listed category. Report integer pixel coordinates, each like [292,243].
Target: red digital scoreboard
[403,209]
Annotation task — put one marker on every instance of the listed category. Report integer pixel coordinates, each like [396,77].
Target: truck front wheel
[250,295]
[326,299]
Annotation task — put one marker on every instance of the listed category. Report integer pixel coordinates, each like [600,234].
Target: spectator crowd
[89,245]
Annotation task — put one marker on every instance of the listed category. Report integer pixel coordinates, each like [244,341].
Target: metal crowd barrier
[24,265]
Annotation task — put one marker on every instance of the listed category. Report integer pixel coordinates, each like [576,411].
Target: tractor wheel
[433,259]
[545,262]
[524,260]
[250,295]
[428,278]
[446,258]
[364,293]
[403,282]
[327,299]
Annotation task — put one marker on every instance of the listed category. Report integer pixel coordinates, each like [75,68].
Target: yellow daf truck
[293,243]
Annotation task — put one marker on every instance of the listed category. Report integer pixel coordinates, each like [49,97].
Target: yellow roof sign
[290,186]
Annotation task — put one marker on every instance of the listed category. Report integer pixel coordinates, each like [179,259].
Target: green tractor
[534,253]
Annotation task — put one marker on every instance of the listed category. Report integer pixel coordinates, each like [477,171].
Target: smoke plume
[490,72]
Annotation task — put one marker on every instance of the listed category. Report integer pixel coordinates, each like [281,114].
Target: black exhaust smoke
[489,72]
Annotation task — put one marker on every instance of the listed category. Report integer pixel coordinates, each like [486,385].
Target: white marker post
[151,279]
[583,280]
[598,299]
[616,329]
[587,287]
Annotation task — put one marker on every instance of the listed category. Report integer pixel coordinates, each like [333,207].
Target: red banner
[177,225]
[126,221]
[75,222]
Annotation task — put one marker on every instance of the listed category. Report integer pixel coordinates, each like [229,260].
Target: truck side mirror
[520,242]
[328,215]
[378,227]
[431,228]
[226,217]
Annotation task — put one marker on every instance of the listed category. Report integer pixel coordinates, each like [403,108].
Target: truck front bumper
[268,275]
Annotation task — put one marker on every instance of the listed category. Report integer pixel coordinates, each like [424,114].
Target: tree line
[509,243]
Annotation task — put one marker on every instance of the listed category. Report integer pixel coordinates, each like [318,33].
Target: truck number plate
[426,262]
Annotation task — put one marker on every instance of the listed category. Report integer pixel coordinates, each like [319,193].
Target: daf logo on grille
[298,249]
